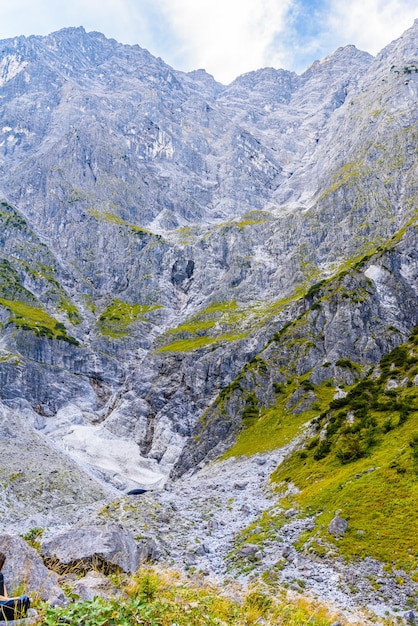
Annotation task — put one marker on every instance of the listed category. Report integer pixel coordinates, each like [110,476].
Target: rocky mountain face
[180,258]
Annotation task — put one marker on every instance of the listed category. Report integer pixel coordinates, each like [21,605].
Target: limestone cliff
[160,229]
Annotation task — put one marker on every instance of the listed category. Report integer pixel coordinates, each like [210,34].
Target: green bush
[278,387]
[350,448]
[387,425]
[323,449]
[414,445]
[345,363]
[306,384]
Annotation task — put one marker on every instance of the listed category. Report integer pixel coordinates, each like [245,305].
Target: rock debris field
[195,524]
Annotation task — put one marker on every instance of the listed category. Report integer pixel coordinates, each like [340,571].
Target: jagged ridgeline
[191,266]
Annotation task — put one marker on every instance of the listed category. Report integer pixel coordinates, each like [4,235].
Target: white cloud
[371,24]
[226,37]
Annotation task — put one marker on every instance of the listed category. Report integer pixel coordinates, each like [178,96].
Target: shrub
[338,402]
[306,384]
[350,448]
[398,357]
[414,445]
[259,601]
[251,410]
[33,537]
[323,449]
[278,387]
[312,443]
[387,425]
[315,289]
[404,411]
[345,363]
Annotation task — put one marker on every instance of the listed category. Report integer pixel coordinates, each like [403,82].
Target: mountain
[188,268]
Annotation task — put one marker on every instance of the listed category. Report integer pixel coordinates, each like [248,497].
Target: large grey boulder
[107,549]
[25,569]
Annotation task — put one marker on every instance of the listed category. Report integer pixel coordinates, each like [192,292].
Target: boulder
[107,549]
[287,553]
[94,584]
[250,551]
[338,526]
[241,486]
[25,567]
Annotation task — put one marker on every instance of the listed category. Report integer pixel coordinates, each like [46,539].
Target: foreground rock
[91,585]
[106,549]
[24,566]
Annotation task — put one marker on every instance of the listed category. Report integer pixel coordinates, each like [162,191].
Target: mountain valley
[209,292]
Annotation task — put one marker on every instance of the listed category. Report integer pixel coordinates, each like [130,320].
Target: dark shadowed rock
[250,551]
[106,548]
[24,566]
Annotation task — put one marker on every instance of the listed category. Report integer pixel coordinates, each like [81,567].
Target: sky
[225,37]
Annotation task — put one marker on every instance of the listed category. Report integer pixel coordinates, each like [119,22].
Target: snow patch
[10,66]
[115,460]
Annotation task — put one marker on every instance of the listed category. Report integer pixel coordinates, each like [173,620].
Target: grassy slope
[363,462]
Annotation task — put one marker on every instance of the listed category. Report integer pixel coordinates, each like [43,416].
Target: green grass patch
[112,218]
[71,311]
[220,321]
[43,277]
[346,175]
[118,317]
[253,218]
[188,345]
[36,320]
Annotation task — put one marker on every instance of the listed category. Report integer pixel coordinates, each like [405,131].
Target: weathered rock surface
[105,548]
[91,585]
[39,485]
[338,526]
[25,566]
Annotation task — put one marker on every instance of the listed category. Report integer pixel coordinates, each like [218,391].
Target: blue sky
[226,37]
